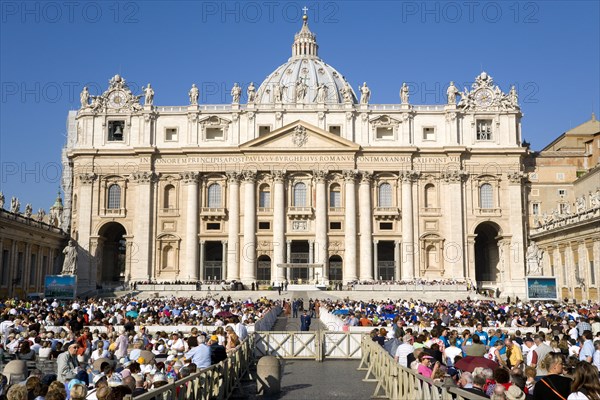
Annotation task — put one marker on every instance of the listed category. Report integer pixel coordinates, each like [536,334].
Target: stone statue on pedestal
[321,93]
[84,97]
[236,92]
[251,92]
[40,215]
[1,200]
[595,198]
[277,94]
[15,206]
[404,94]
[347,93]
[70,263]
[451,93]
[365,94]
[301,88]
[28,210]
[580,204]
[194,93]
[534,260]
[148,95]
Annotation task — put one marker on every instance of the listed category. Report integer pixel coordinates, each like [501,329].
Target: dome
[305,78]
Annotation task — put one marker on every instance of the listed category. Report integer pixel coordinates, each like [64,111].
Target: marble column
[203,276]
[320,250]
[408,241]
[142,222]
[224,259]
[278,226]
[350,228]
[454,254]
[233,235]
[248,270]
[366,228]
[86,269]
[288,272]
[516,264]
[190,180]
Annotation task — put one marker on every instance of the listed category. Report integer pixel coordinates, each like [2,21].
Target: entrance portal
[114,253]
[385,260]
[299,255]
[213,261]
[487,256]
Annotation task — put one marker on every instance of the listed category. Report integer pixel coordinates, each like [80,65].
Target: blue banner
[60,286]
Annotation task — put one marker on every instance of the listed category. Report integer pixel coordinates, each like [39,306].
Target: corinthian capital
[454,175]
[249,176]
[278,176]
[320,176]
[87,178]
[350,175]
[366,177]
[409,176]
[190,177]
[143,176]
[232,177]
[515,177]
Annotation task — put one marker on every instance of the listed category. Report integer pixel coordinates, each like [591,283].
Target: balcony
[431,211]
[383,213]
[488,212]
[213,213]
[336,210]
[114,212]
[265,210]
[169,212]
[299,212]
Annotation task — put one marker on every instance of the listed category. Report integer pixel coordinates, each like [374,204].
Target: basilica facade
[301,178]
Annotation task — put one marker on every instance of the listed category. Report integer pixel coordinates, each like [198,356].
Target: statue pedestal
[235,106]
[193,107]
[405,106]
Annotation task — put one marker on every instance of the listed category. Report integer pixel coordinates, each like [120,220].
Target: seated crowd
[103,349]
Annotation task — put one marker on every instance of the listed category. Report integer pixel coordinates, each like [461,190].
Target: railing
[300,210]
[29,221]
[488,211]
[217,381]
[396,382]
[566,220]
[386,212]
[298,345]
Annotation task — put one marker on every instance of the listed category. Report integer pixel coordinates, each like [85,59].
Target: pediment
[300,136]
[214,120]
[384,120]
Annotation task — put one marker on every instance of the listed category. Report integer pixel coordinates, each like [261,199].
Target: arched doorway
[487,257]
[111,268]
[264,269]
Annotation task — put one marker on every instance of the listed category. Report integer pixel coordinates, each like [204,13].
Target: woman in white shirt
[586,385]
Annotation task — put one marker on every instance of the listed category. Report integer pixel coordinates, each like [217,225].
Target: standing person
[305,321]
[553,386]
[514,356]
[586,385]
[295,308]
[539,354]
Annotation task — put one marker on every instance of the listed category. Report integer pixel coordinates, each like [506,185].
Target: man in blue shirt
[587,349]
[483,336]
[199,352]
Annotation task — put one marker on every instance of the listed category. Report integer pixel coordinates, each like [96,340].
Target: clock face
[117,99]
[484,98]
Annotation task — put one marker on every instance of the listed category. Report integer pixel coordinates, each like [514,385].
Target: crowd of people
[104,349]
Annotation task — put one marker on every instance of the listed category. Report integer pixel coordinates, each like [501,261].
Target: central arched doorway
[114,253]
[487,255]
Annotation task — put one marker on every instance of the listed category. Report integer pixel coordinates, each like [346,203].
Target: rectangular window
[264,199]
[213,226]
[171,134]
[383,133]
[562,192]
[32,269]
[560,176]
[386,226]
[264,226]
[264,129]
[429,133]
[335,226]
[535,208]
[116,130]
[214,134]
[335,198]
[335,129]
[484,129]
[5,267]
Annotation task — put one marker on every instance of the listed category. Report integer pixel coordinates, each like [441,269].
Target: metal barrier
[397,383]
[314,345]
[219,381]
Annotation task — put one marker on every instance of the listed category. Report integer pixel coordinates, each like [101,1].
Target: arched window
[429,195]
[214,195]
[385,195]
[299,195]
[169,197]
[486,197]
[168,257]
[114,197]
[264,196]
[335,195]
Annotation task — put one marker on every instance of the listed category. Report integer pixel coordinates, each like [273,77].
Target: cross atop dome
[305,42]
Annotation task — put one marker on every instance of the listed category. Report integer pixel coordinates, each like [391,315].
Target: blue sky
[50,49]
